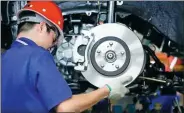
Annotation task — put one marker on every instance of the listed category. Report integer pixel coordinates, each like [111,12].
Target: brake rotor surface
[116,52]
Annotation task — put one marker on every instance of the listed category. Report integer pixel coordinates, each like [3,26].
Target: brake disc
[116,52]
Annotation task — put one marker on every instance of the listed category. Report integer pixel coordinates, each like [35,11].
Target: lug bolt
[110,43]
[102,65]
[98,51]
[117,66]
[122,53]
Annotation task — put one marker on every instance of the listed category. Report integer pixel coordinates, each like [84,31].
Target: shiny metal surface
[110,56]
[111,11]
[64,54]
[136,52]
[153,79]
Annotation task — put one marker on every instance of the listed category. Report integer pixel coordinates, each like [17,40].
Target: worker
[31,81]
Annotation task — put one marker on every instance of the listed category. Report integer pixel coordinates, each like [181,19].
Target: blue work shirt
[31,82]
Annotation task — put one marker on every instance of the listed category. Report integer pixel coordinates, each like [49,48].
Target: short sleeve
[51,85]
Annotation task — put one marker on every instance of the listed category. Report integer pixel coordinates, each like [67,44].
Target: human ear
[43,27]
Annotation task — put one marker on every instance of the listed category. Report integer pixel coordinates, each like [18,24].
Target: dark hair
[25,26]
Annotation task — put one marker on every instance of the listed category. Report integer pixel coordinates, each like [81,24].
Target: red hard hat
[47,9]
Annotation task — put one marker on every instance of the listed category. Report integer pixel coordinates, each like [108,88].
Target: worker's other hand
[117,88]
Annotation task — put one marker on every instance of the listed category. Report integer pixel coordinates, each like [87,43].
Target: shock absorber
[111,7]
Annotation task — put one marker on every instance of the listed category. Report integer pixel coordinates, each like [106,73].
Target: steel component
[102,65]
[122,53]
[72,52]
[117,32]
[76,56]
[111,11]
[110,54]
[153,79]
[81,41]
[117,66]
[64,54]
[98,51]
[91,38]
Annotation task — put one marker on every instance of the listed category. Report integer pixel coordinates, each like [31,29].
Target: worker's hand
[117,88]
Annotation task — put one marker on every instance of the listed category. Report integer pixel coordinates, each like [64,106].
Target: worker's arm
[81,102]
[55,93]
[78,103]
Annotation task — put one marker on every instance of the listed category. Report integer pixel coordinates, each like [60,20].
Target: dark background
[167,16]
